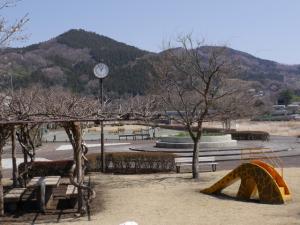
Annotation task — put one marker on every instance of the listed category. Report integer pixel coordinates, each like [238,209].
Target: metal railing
[265,154]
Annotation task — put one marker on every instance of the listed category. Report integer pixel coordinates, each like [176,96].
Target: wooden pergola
[72,127]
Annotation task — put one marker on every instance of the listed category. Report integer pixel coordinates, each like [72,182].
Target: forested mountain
[68,60]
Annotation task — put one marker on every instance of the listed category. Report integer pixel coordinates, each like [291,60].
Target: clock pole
[101,71]
[101,129]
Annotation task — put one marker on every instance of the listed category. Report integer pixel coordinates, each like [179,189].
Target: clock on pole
[101,71]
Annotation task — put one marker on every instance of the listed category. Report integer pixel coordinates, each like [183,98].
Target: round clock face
[101,70]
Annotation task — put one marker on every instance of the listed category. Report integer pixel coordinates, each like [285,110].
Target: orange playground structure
[256,176]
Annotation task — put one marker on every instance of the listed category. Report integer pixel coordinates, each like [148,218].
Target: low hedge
[250,135]
[274,118]
[133,162]
[48,168]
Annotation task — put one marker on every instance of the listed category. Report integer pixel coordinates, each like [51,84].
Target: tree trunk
[1,186]
[195,166]
[25,167]
[13,156]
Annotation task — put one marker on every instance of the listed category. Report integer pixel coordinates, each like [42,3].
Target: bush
[250,135]
[48,168]
[133,162]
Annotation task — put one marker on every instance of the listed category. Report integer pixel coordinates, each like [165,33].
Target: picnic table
[45,187]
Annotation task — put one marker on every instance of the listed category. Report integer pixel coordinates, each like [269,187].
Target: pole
[13,156]
[101,129]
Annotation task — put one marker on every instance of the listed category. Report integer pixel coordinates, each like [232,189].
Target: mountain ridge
[67,60]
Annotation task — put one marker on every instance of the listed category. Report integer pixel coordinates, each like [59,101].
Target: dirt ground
[174,199]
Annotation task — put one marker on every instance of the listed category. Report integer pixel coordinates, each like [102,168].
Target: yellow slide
[255,176]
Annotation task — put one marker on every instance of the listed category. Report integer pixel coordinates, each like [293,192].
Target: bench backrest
[190,159]
[48,168]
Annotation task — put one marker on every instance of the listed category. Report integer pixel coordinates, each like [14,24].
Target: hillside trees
[285,97]
[241,104]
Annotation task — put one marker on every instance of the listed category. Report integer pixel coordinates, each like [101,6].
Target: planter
[205,142]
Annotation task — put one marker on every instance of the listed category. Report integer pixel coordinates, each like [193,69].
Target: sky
[269,29]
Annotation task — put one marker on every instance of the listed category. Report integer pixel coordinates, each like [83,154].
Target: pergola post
[78,155]
[4,135]
[13,156]
[73,130]
[1,185]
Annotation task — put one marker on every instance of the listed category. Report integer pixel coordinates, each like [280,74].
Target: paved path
[290,158]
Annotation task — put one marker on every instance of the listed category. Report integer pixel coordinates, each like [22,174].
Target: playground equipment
[255,176]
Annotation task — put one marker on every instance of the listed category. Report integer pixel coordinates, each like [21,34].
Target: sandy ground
[175,199]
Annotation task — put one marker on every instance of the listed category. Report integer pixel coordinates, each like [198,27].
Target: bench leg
[49,197]
[177,169]
[214,167]
[41,192]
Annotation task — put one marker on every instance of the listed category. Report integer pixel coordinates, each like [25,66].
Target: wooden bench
[134,136]
[127,135]
[143,135]
[71,191]
[14,195]
[188,161]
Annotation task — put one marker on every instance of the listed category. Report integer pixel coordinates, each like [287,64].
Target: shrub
[273,118]
[205,129]
[48,168]
[205,133]
[250,135]
[133,162]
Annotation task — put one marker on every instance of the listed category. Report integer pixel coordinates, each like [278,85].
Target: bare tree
[10,32]
[60,104]
[5,131]
[35,104]
[243,104]
[138,107]
[192,79]
[24,104]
